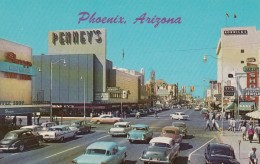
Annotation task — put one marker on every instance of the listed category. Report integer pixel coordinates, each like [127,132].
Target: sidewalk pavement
[232,139]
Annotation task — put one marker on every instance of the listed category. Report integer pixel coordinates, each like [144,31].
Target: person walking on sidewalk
[252,156]
[250,133]
[243,130]
[257,131]
[214,124]
[233,124]
[208,125]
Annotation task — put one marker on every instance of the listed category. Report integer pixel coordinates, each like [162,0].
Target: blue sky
[174,51]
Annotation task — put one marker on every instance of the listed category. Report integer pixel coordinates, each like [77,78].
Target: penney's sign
[77,41]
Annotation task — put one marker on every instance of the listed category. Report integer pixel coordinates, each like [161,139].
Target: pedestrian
[250,133]
[257,131]
[233,124]
[243,130]
[38,119]
[208,125]
[20,121]
[214,124]
[14,121]
[252,156]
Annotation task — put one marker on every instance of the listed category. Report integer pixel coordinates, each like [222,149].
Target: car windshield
[11,135]
[158,144]
[55,129]
[139,128]
[119,126]
[182,114]
[221,152]
[96,151]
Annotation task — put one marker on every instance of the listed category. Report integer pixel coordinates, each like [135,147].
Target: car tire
[74,135]
[61,139]
[21,147]
[131,141]
[40,142]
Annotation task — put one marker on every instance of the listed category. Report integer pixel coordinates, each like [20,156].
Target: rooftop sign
[235,32]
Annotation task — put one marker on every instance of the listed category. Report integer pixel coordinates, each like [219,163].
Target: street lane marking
[103,137]
[63,151]
[199,148]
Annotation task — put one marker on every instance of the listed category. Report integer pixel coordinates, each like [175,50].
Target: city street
[192,146]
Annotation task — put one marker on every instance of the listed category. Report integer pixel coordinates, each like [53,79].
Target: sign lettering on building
[252,82]
[76,37]
[16,68]
[235,32]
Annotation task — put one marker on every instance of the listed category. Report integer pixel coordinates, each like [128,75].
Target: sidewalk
[232,139]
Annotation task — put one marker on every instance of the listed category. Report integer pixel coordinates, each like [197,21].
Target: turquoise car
[102,152]
[140,132]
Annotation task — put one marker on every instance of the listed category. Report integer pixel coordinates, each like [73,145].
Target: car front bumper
[153,160]
[7,147]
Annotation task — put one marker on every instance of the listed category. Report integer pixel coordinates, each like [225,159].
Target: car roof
[122,123]
[102,145]
[140,125]
[220,145]
[59,126]
[30,126]
[166,140]
[20,131]
[170,128]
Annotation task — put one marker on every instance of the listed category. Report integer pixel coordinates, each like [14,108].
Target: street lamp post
[51,63]
[222,91]
[84,96]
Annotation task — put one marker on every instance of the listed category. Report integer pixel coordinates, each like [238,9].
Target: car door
[28,139]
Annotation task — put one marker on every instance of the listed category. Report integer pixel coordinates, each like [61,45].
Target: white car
[59,133]
[179,116]
[197,108]
[120,128]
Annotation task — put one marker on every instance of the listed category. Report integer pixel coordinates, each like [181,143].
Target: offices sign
[235,32]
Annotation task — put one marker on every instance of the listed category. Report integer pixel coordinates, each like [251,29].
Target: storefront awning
[255,114]
[246,106]
[230,107]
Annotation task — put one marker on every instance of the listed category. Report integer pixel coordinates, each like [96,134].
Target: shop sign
[252,91]
[250,60]
[252,82]
[251,68]
[76,37]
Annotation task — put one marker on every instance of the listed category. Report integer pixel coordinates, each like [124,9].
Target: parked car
[120,128]
[36,129]
[216,153]
[140,132]
[197,108]
[172,132]
[182,126]
[179,116]
[19,140]
[47,125]
[105,119]
[102,152]
[160,150]
[82,126]
[59,133]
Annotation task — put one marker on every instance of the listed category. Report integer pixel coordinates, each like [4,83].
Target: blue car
[102,152]
[140,132]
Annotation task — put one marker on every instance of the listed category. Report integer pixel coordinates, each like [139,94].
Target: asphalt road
[192,147]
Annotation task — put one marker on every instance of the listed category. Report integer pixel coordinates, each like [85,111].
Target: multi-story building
[238,53]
